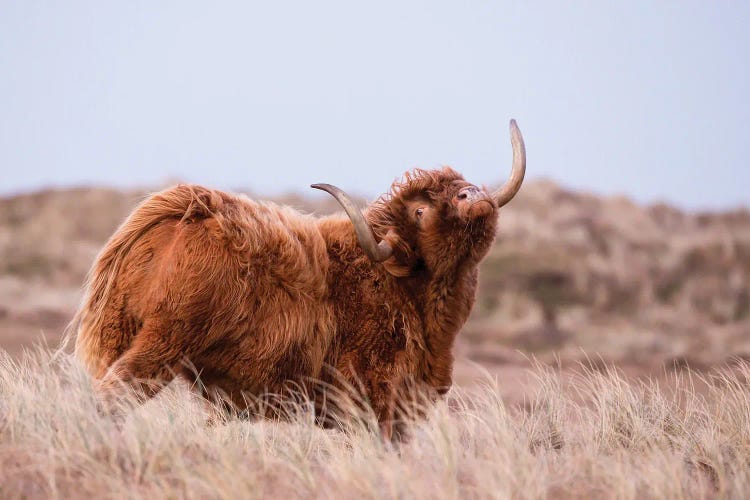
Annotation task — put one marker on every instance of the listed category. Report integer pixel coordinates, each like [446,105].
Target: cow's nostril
[462,196]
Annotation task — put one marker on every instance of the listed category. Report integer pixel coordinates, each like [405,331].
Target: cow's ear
[397,268]
[401,262]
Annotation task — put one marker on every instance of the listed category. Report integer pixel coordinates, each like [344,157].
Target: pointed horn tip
[516,138]
[514,130]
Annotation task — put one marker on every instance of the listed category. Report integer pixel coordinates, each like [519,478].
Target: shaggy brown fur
[257,296]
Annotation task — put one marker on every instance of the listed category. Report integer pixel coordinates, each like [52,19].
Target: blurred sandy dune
[571,275]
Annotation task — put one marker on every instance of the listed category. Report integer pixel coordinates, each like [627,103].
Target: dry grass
[592,435]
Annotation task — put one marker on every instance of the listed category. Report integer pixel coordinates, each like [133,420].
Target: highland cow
[259,296]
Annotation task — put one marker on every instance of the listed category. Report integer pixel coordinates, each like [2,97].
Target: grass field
[571,273]
[589,434]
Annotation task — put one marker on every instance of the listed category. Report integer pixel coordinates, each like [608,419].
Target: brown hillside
[570,273]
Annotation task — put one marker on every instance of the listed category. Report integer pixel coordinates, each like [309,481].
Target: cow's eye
[419,212]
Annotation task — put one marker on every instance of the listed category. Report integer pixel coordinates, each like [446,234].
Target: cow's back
[234,286]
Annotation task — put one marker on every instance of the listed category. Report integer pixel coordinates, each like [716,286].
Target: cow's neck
[446,300]
[442,300]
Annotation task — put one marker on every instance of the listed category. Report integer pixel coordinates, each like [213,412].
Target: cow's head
[432,219]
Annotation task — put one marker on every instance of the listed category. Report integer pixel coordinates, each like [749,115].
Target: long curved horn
[511,187]
[377,252]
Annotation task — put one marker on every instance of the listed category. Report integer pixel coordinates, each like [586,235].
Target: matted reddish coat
[254,296]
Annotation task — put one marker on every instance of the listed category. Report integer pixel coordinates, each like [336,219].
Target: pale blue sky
[646,98]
